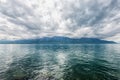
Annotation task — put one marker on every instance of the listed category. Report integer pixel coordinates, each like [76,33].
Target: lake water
[59,62]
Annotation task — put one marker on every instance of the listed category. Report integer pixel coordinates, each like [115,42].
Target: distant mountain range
[58,40]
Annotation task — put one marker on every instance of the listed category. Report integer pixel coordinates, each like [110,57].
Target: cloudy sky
[24,19]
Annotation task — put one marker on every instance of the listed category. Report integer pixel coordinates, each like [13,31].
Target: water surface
[60,62]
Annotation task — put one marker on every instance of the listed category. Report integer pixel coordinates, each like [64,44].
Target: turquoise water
[60,62]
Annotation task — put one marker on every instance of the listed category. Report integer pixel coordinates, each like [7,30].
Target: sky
[26,19]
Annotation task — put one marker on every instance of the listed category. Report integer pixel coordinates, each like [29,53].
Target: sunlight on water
[61,58]
[59,62]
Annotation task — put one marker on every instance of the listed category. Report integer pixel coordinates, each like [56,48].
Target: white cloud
[114,38]
[72,18]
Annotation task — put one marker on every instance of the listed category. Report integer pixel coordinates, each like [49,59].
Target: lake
[59,62]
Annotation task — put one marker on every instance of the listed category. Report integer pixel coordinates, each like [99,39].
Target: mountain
[59,40]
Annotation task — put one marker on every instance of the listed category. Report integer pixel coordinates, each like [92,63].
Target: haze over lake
[60,62]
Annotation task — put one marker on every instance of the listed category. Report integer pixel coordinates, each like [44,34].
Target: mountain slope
[59,40]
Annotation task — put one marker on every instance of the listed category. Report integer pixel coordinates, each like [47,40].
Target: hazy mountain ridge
[58,40]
